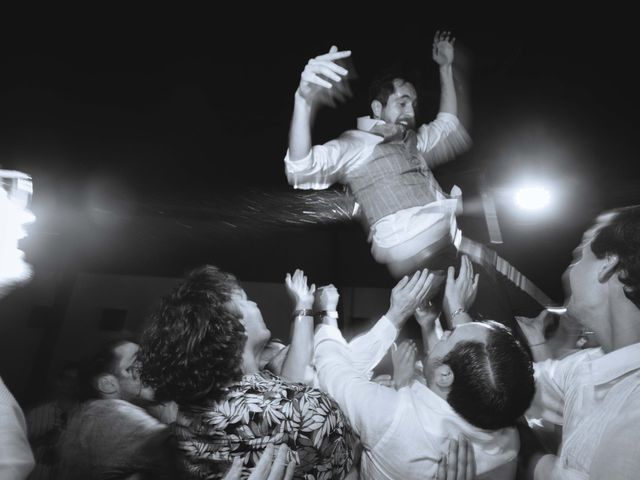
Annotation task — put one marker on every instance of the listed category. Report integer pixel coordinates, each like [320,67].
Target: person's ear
[376,108]
[444,377]
[608,267]
[107,385]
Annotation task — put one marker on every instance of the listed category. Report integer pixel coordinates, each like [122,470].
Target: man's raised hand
[442,51]
[321,74]
[404,360]
[300,293]
[407,295]
[460,293]
[326,298]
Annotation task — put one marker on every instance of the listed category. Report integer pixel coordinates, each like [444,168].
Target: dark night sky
[156,140]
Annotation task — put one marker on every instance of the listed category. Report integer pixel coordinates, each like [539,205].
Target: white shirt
[16,459]
[586,392]
[404,433]
[333,161]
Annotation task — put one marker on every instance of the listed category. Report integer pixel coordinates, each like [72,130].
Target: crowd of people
[485,392]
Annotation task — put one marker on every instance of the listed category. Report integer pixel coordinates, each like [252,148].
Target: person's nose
[409,111]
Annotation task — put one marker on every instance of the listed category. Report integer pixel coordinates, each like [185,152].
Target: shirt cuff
[448,118]
[297,166]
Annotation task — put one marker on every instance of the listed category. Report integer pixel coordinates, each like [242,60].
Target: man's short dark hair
[382,87]
[104,361]
[493,384]
[621,236]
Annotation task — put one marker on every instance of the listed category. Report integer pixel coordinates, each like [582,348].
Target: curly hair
[493,384]
[192,347]
[620,235]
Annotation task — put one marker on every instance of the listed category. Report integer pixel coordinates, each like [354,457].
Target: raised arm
[369,348]
[442,54]
[298,358]
[460,293]
[316,79]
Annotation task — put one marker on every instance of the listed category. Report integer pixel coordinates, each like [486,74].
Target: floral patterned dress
[261,409]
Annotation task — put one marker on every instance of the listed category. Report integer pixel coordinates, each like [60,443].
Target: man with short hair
[595,393]
[479,381]
[113,373]
[386,163]
[16,458]
[120,431]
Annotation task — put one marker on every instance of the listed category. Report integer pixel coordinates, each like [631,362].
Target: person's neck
[251,358]
[625,325]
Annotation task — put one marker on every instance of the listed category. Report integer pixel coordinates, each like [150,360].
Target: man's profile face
[580,279]
[127,373]
[13,218]
[401,105]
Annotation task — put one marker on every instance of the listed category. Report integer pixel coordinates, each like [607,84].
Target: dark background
[155,138]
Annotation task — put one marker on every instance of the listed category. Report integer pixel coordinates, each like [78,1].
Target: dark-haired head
[113,372]
[192,346]
[484,373]
[617,232]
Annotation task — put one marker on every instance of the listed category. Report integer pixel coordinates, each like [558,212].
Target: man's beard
[408,123]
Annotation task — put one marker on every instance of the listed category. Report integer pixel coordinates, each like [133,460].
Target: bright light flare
[533,198]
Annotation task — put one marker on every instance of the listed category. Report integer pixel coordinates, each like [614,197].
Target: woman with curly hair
[203,348]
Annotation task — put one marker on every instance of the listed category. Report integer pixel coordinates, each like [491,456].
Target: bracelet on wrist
[458,311]
[303,312]
[537,344]
[327,313]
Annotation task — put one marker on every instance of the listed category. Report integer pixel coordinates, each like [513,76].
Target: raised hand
[460,293]
[320,72]
[533,327]
[460,462]
[269,467]
[301,295]
[407,295]
[442,51]
[326,298]
[426,315]
[404,360]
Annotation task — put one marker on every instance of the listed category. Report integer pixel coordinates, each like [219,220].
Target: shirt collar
[367,123]
[616,364]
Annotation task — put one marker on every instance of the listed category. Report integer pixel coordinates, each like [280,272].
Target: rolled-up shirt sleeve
[442,139]
[366,404]
[325,164]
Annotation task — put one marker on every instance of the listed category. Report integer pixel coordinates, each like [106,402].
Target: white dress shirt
[587,392]
[404,433]
[16,459]
[401,234]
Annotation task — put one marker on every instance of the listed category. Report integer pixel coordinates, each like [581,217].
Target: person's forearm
[300,131]
[429,338]
[368,349]
[448,98]
[298,359]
